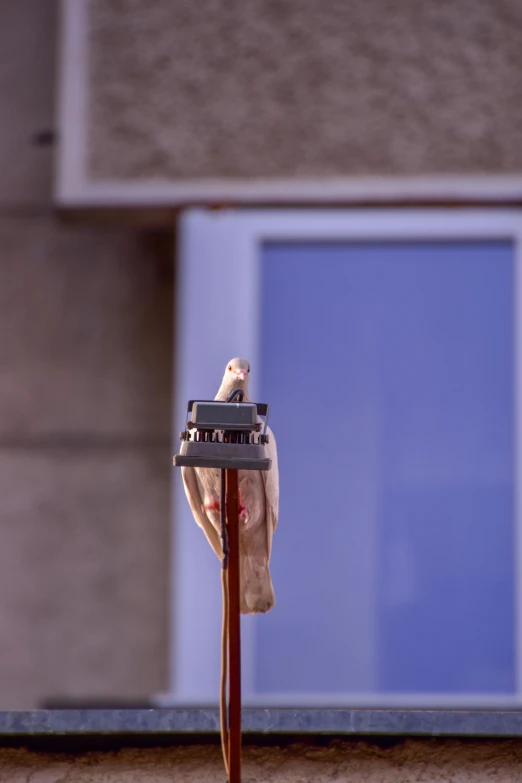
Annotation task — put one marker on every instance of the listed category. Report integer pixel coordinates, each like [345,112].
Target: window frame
[212,325]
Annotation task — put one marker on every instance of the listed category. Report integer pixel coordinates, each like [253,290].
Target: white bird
[259,507]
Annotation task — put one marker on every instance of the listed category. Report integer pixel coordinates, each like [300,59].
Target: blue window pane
[390,373]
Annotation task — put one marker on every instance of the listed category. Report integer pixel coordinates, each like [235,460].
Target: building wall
[85,414]
[436,761]
[224,88]
[179,89]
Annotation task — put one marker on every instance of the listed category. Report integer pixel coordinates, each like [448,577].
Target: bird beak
[241,375]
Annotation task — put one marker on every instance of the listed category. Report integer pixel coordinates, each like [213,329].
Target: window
[386,345]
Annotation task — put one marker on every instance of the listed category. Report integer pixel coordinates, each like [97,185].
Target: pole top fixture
[224,435]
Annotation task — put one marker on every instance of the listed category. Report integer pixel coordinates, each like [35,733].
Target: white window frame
[218,316]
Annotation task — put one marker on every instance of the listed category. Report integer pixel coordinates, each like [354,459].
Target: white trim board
[74,187]
[214,250]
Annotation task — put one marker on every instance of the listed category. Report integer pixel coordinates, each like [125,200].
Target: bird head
[235,377]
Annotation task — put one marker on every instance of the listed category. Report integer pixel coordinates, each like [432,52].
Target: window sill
[190,722]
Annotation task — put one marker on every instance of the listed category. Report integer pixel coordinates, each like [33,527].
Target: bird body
[258,513]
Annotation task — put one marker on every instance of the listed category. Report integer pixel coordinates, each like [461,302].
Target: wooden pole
[234,628]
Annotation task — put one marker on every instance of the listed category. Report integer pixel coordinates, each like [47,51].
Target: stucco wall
[427,761]
[227,88]
[85,415]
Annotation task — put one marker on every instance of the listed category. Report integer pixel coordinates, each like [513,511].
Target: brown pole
[234,628]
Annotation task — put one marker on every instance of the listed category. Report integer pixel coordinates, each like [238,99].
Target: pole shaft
[234,627]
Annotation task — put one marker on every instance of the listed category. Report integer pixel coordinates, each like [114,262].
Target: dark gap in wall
[71,744]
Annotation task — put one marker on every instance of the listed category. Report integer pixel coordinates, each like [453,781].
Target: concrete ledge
[366,722]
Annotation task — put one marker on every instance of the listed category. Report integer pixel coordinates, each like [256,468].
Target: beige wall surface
[28,32]
[85,415]
[226,88]
[433,761]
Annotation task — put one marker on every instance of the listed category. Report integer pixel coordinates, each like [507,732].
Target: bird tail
[256,589]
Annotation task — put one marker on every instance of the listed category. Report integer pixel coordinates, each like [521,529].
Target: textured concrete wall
[430,762]
[264,88]
[85,411]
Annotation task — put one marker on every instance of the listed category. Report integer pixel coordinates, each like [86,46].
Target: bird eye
[248,368]
[229,366]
